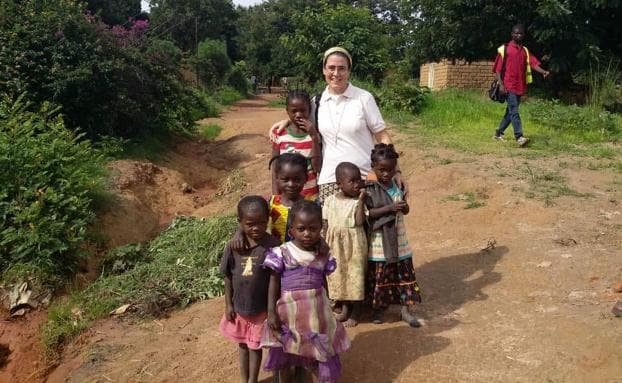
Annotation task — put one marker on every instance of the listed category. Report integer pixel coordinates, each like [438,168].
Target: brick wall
[458,74]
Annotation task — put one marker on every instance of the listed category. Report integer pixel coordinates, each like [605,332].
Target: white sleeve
[373,118]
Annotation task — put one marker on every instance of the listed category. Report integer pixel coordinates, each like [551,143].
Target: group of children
[292,254]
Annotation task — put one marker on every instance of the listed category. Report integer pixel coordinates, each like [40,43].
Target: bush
[48,177]
[108,81]
[404,96]
[228,95]
[211,62]
[202,105]
[237,78]
[561,117]
[178,267]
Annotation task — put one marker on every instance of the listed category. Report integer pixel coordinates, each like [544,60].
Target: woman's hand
[230,313]
[276,129]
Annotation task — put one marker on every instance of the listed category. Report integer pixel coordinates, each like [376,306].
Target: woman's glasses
[337,68]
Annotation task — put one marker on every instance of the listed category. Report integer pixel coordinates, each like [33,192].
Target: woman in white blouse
[348,121]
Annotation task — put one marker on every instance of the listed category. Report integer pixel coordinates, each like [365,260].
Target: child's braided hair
[383,152]
[294,159]
[299,94]
[306,207]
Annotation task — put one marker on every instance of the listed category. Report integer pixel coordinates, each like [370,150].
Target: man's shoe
[522,141]
[498,138]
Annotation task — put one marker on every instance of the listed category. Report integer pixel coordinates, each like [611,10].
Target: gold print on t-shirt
[248,267]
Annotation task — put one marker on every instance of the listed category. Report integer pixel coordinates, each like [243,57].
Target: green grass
[178,267]
[466,120]
[209,132]
[472,200]
[278,103]
[227,96]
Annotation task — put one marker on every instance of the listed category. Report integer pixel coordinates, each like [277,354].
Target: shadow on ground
[447,284]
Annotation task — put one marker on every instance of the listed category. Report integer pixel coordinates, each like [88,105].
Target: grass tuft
[209,132]
[178,267]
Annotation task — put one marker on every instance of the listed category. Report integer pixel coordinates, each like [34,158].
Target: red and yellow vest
[528,77]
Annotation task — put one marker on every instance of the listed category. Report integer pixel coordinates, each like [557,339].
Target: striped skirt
[310,337]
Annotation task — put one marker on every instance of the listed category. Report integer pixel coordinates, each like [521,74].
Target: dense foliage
[187,22]
[570,34]
[48,177]
[115,11]
[114,81]
[355,29]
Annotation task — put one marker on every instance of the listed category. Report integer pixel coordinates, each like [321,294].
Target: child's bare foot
[350,322]
[344,314]
[409,318]
[377,317]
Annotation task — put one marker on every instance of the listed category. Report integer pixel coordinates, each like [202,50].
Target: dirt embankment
[513,290]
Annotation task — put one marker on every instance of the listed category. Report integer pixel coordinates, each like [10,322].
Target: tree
[355,29]
[187,22]
[114,12]
[212,62]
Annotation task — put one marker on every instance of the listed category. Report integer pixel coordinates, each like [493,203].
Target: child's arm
[239,242]
[316,149]
[274,290]
[387,209]
[275,188]
[359,215]
[229,309]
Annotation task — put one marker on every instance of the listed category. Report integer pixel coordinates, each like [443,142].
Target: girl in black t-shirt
[246,286]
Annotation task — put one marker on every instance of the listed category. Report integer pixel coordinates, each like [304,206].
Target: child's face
[385,170]
[350,182]
[254,223]
[298,110]
[291,179]
[306,229]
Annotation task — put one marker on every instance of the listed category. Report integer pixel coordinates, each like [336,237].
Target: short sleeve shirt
[347,123]
[248,277]
[515,79]
[286,141]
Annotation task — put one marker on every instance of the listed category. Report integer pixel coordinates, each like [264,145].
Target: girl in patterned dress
[390,271]
[345,215]
[302,333]
[291,175]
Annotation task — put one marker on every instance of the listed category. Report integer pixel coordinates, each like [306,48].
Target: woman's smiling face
[337,73]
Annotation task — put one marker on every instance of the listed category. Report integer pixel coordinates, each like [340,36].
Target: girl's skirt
[244,329]
[310,337]
[392,283]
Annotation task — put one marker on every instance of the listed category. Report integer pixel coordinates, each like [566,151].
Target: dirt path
[536,308]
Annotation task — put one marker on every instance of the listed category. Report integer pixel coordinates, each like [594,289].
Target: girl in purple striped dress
[302,333]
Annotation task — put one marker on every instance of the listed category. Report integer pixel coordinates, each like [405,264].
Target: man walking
[512,69]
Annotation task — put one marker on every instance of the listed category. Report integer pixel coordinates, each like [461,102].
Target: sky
[245,3]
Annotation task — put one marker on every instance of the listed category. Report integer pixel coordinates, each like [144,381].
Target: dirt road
[533,307]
